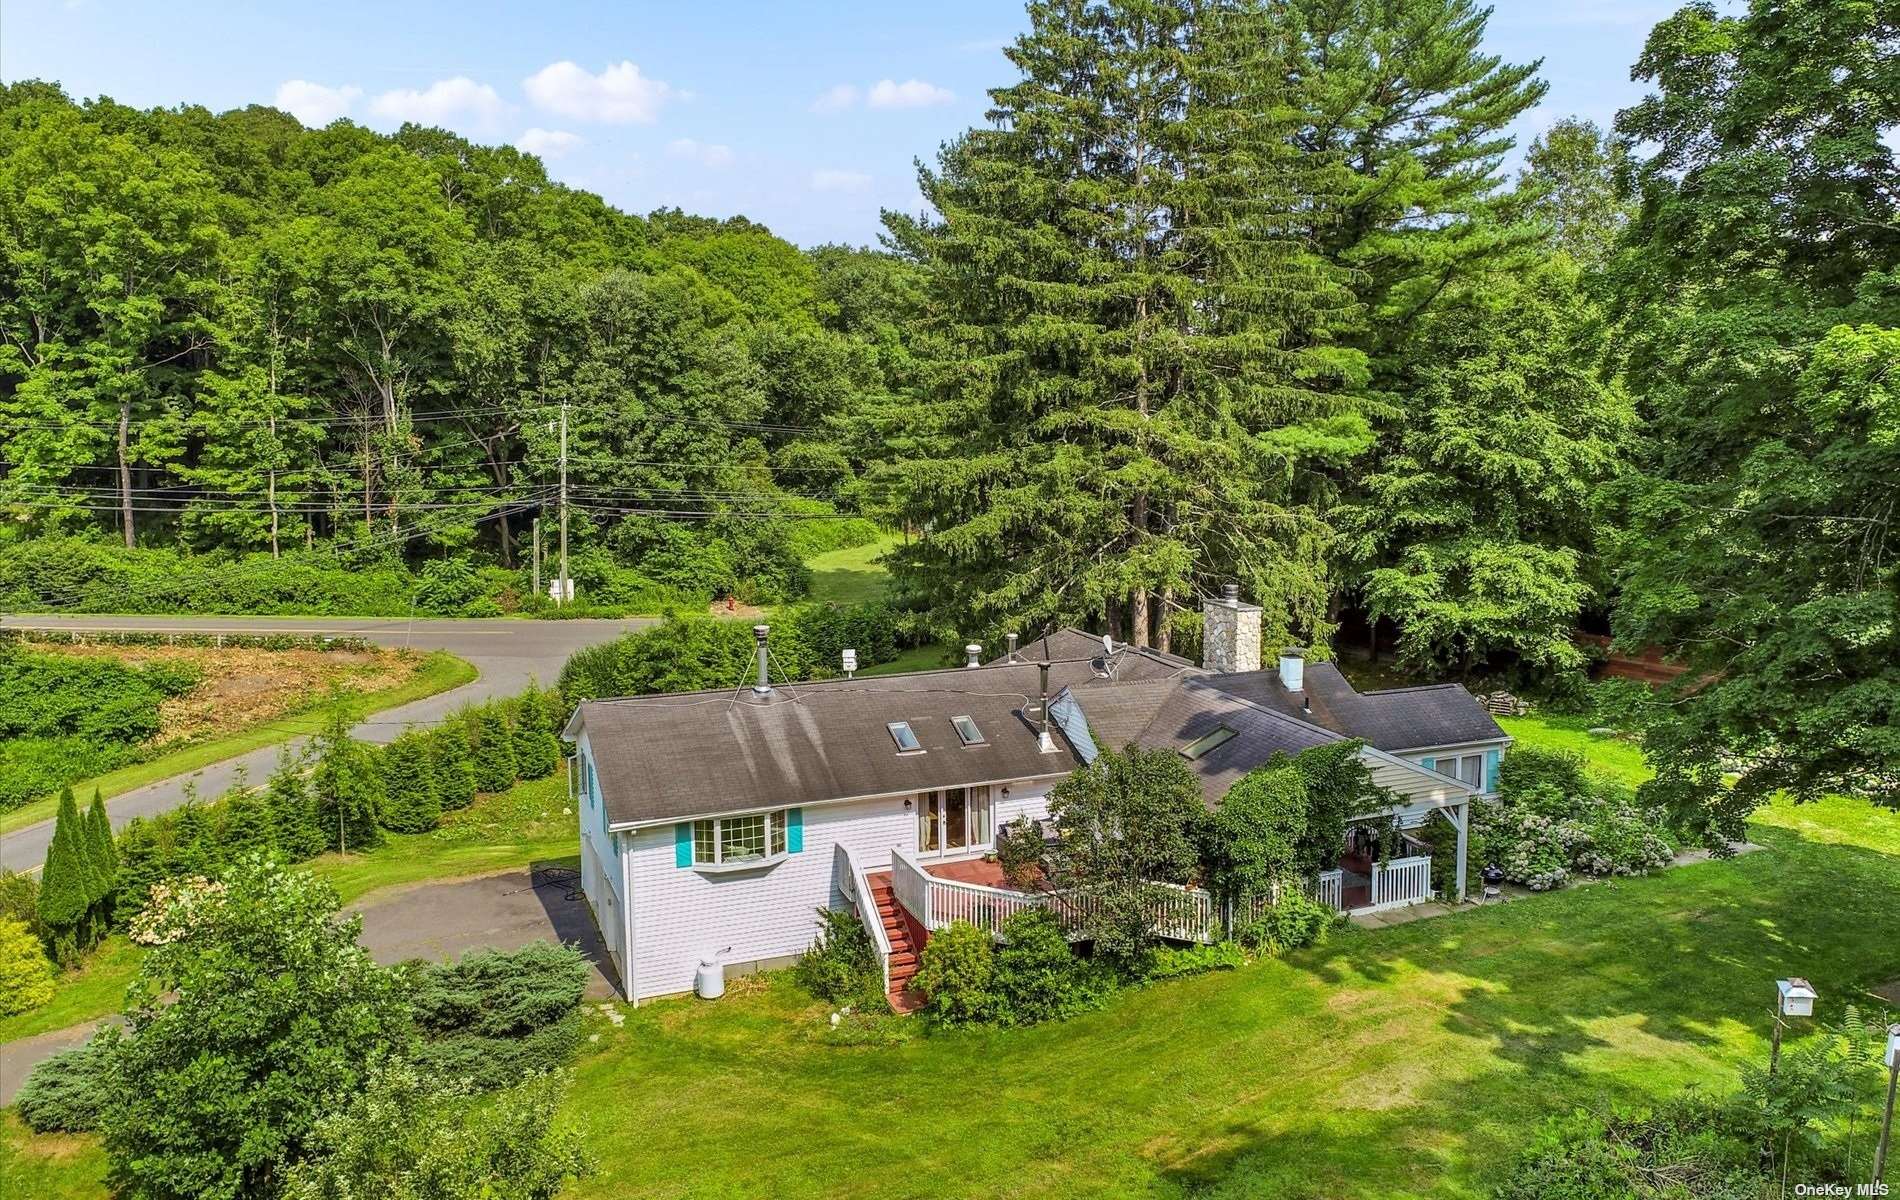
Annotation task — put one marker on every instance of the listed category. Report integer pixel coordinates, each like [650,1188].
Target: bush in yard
[410,801]
[494,749]
[1177,962]
[1019,850]
[1547,782]
[537,750]
[65,1092]
[409,1136]
[346,791]
[254,1013]
[1253,839]
[246,824]
[26,975]
[1552,820]
[1296,921]
[957,975]
[1038,976]
[493,1018]
[453,762]
[841,965]
[20,900]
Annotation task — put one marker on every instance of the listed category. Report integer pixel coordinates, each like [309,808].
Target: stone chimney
[1230,633]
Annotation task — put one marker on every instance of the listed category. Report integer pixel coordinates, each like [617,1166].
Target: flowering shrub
[1552,821]
[176,907]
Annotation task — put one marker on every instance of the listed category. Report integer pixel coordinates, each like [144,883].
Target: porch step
[904,948]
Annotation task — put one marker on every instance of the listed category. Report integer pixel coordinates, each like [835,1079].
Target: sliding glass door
[953,821]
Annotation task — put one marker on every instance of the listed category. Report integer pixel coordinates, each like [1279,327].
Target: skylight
[906,740]
[967,732]
[1202,745]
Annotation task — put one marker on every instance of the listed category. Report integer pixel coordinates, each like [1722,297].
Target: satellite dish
[1108,644]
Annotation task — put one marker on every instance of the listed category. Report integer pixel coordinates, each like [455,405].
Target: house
[715,823]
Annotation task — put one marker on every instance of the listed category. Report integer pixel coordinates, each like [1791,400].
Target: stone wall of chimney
[1230,635]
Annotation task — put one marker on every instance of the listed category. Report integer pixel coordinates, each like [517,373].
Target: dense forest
[1221,291]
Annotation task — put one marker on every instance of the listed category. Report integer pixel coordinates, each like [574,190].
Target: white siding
[1024,800]
[762,914]
[1417,786]
[600,862]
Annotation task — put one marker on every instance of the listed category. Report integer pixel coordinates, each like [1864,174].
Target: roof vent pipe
[973,654]
[1292,669]
[1009,642]
[764,685]
[1044,742]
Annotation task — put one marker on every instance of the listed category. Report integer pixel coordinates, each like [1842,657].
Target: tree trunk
[125,475]
[1163,639]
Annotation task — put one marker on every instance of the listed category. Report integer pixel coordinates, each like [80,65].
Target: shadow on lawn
[1613,992]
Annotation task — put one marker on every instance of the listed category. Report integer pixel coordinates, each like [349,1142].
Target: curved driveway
[507,653]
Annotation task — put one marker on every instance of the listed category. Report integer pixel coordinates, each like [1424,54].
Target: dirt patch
[240,688]
[735,610]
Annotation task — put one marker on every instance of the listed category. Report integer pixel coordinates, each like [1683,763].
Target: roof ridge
[1207,682]
[1414,687]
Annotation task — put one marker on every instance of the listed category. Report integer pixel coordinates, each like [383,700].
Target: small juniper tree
[246,823]
[192,849]
[412,803]
[66,884]
[454,766]
[494,750]
[104,857]
[299,835]
[537,752]
[142,853]
[345,788]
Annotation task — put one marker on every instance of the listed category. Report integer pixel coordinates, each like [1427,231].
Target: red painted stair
[905,944]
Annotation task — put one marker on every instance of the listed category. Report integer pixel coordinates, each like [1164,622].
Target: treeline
[224,333]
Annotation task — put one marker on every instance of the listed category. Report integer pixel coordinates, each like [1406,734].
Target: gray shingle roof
[664,758]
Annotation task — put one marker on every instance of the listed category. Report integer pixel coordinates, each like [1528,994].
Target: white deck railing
[1181,913]
[857,889]
[1401,881]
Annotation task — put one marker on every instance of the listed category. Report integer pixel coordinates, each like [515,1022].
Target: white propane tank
[710,983]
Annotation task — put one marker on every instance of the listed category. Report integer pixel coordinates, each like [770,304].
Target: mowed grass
[526,824]
[852,575]
[1610,757]
[438,673]
[1412,1061]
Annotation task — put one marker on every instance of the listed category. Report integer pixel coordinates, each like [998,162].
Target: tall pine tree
[104,859]
[494,749]
[346,789]
[452,761]
[66,900]
[413,804]
[1135,342]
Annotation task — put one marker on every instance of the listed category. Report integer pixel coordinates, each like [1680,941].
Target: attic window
[967,732]
[906,740]
[1201,746]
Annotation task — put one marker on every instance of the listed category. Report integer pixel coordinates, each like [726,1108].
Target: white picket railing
[1401,880]
[1330,888]
[1181,913]
[856,888]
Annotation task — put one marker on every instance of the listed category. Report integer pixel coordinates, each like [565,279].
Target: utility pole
[564,583]
[536,527]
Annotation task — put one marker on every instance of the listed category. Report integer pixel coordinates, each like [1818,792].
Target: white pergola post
[1462,822]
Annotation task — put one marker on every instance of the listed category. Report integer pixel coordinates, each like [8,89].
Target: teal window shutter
[794,830]
[683,844]
[1430,764]
[1491,758]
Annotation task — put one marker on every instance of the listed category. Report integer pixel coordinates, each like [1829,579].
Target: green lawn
[521,826]
[439,673]
[852,575]
[1608,756]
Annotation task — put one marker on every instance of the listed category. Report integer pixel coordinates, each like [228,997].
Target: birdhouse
[1893,1047]
[1795,997]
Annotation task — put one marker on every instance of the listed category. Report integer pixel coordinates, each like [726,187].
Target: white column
[1463,823]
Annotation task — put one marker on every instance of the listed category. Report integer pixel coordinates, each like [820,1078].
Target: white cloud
[313,103]
[703,153]
[836,98]
[446,102]
[619,94]
[839,181]
[548,143]
[912,93]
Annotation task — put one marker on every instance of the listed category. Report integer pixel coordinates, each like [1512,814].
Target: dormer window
[905,737]
[967,732]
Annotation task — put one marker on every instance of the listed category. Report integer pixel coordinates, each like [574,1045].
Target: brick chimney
[1230,633]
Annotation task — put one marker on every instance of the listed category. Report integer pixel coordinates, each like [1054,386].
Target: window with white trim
[729,841]
[1465,768]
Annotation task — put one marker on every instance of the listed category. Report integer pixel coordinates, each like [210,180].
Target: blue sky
[805,116]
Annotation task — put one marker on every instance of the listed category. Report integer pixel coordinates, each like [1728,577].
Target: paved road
[508,653]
